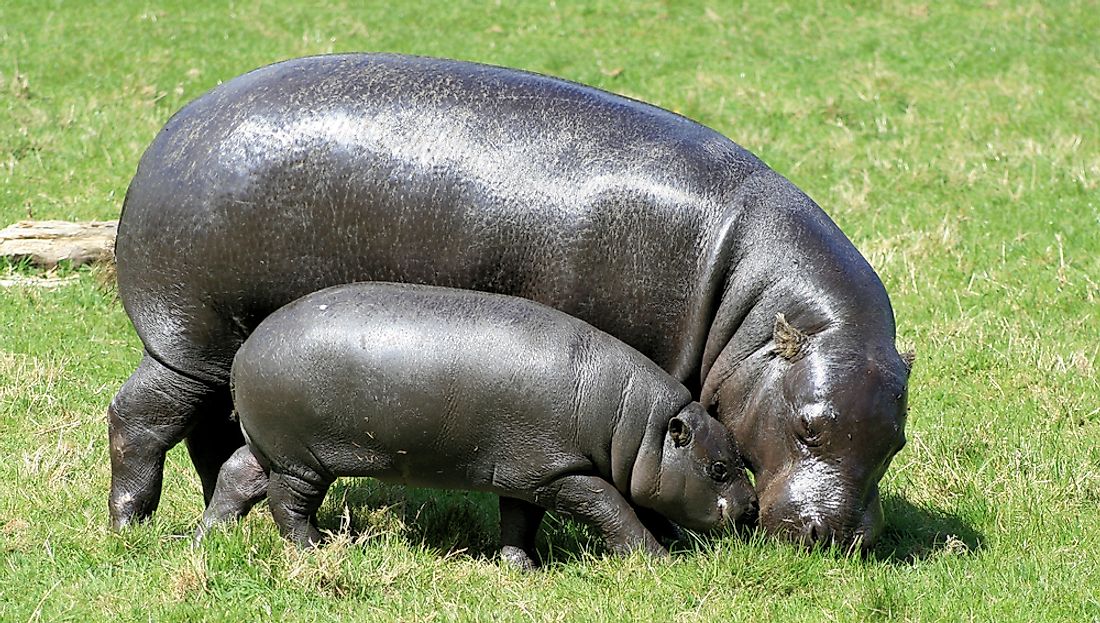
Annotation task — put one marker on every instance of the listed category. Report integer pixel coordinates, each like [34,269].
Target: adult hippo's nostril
[815,532]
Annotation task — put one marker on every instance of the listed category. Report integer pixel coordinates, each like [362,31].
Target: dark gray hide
[466,390]
[651,227]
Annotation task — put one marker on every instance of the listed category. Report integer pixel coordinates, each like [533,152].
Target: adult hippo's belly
[649,226]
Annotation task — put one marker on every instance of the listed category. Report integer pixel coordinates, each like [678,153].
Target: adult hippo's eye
[719,471]
[808,432]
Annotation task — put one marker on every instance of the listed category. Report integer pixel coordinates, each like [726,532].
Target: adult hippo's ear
[790,343]
[679,432]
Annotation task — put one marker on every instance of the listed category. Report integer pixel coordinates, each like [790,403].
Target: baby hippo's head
[696,478]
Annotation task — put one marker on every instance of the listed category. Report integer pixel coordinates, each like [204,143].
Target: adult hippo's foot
[519,525]
[155,409]
[665,531]
[242,483]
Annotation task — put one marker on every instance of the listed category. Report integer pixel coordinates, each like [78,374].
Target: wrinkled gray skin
[458,389]
[653,228]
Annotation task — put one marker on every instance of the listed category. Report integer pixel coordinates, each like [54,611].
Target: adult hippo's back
[649,226]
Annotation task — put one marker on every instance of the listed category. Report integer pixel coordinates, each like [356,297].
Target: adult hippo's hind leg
[214,438]
[152,412]
[519,525]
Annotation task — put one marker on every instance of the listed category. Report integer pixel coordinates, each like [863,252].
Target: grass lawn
[958,145]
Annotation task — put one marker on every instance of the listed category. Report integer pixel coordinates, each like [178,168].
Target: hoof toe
[517,558]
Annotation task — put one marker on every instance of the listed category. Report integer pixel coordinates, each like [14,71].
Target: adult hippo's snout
[819,432]
[816,505]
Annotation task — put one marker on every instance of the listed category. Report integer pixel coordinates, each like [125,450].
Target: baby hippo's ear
[679,432]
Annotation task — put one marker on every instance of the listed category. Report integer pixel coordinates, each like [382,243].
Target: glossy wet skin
[646,225]
[820,441]
[458,389]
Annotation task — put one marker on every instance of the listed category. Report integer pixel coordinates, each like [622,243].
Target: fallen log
[48,283]
[46,243]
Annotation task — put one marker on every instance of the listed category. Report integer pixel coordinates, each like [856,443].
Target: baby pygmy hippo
[436,387]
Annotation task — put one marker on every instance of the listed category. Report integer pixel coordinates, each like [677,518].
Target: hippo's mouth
[724,509]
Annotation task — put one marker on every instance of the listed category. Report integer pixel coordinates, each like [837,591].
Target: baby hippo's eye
[719,471]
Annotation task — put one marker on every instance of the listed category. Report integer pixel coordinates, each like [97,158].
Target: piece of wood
[48,283]
[45,243]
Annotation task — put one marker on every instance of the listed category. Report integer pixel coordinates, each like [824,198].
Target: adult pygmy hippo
[657,230]
[451,388]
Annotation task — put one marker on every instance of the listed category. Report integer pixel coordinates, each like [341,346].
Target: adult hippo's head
[819,418]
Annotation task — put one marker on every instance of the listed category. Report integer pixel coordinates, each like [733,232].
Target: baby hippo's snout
[743,511]
[700,482]
[739,505]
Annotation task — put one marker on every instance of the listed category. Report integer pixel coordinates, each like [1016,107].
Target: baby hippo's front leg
[597,502]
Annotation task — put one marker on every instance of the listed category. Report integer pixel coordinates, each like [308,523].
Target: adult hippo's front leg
[155,410]
[519,525]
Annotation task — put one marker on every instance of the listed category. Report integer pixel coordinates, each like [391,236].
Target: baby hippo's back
[446,388]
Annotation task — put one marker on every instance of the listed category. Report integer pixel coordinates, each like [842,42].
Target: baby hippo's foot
[294,501]
[648,545]
[597,502]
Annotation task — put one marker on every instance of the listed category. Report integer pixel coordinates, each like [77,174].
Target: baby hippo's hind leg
[519,525]
[294,502]
[242,483]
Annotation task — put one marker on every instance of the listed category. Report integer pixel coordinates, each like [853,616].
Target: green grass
[958,144]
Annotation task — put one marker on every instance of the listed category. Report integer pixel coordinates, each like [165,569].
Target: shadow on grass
[459,523]
[450,523]
[918,532]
